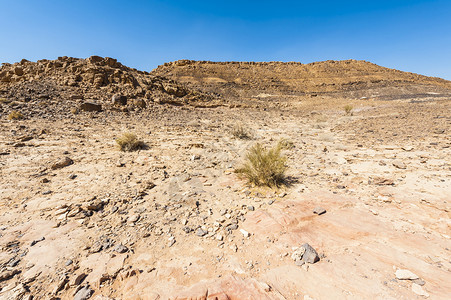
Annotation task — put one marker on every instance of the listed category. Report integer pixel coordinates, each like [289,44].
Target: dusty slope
[293,82]
[128,225]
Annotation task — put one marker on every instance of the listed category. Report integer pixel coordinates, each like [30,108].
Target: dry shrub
[129,142]
[348,109]
[15,115]
[241,132]
[264,166]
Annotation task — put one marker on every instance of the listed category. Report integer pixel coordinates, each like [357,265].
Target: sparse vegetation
[129,142]
[286,144]
[15,115]
[348,109]
[241,132]
[264,166]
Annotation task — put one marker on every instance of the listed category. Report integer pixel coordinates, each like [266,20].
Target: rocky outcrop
[61,82]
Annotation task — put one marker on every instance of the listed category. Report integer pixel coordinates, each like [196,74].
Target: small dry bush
[15,115]
[129,142]
[264,166]
[348,109]
[241,132]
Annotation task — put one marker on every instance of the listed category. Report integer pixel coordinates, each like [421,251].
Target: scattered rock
[5,275]
[402,274]
[245,233]
[64,162]
[37,241]
[418,289]
[120,248]
[78,279]
[90,107]
[380,181]
[60,285]
[84,293]
[400,165]
[319,210]
[305,254]
[119,99]
[201,232]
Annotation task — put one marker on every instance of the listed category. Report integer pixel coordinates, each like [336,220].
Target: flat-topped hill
[348,78]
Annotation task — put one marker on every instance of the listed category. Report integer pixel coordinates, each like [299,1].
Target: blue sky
[410,35]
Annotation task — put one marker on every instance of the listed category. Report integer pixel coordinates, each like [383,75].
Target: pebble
[63,162]
[37,241]
[319,210]
[305,254]
[121,248]
[245,233]
[201,232]
[399,165]
[84,293]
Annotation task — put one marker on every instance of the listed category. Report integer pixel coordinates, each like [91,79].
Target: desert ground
[369,189]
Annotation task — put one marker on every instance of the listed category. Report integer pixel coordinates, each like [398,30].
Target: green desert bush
[129,142]
[264,167]
[241,132]
[15,115]
[348,109]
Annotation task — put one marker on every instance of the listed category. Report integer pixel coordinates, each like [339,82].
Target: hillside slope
[347,79]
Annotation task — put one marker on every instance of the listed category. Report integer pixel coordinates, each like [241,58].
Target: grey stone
[201,232]
[121,248]
[84,293]
[319,210]
[310,255]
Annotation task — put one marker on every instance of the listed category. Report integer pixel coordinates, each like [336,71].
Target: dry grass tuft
[15,115]
[241,132]
[129,142]
[348,109]
[264,166]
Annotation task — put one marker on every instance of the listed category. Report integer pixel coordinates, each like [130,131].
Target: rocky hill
[67,82]
[283,81]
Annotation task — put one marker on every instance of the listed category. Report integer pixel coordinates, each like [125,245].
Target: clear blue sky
[410,35]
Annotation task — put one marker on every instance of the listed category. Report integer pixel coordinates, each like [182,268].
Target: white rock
[219,237]
[417,289]
[405,275]
[245,233]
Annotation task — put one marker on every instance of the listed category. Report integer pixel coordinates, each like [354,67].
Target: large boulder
[119,99]
[89,106]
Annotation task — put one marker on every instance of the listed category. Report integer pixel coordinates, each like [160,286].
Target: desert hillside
[362,210]
[283,81]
